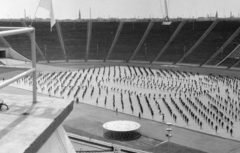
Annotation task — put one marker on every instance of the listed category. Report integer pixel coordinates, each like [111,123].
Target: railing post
[20,30]
[33,48]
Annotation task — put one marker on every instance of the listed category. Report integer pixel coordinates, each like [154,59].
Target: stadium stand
[229,48]
[215,39]
[170,40]
[60,37]
[21,43]
[237,64]
[89,35]
[40,56]
[75,39]
[229,62]
[149,27]
[128,40]
[102,38]
[74,36]
[189,34]
[221,49]
[48,41]
[155,41]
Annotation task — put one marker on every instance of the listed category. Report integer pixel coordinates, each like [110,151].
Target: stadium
[148,85]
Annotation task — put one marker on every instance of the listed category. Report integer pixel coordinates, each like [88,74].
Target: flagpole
[34,15]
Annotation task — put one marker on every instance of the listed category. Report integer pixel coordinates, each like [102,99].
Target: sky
[69,9]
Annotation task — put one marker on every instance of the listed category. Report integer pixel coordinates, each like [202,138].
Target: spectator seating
[128,40]
[155,41]
[187,37]
[103,34]
[75,39]
[214,40]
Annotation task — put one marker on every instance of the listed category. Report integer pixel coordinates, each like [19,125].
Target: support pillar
[37,47]
[142,40]
[223,46]
[170,40]
[115,39]
[59,32]
[34,76]
[89,33]
[199,41]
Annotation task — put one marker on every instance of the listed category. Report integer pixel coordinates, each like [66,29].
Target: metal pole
[15,31]
[33,47]
[45,48]
[97,49]
[169,135]
[145,45]
[11,28]
[145,49]
[168,140]
[9,81]
[184,50]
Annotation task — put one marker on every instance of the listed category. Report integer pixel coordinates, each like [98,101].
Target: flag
[47,4]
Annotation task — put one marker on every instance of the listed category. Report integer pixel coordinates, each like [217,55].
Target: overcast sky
[68,9]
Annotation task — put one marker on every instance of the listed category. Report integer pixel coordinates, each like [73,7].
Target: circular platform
[121,130]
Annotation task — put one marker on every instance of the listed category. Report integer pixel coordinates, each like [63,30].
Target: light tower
[166,11]
[166,19]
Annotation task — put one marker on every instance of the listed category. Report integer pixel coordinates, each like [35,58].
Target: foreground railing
[21,30]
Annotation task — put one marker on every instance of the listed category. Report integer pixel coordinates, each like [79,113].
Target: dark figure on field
[231,132]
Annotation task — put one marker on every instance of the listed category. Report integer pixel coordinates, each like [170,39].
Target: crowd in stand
[210,100]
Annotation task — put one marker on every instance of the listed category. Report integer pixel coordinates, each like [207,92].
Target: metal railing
[21,30]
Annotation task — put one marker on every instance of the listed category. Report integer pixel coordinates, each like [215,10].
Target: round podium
[121,130]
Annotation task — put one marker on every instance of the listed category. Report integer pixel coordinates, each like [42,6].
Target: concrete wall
[57,143]
[10,53]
